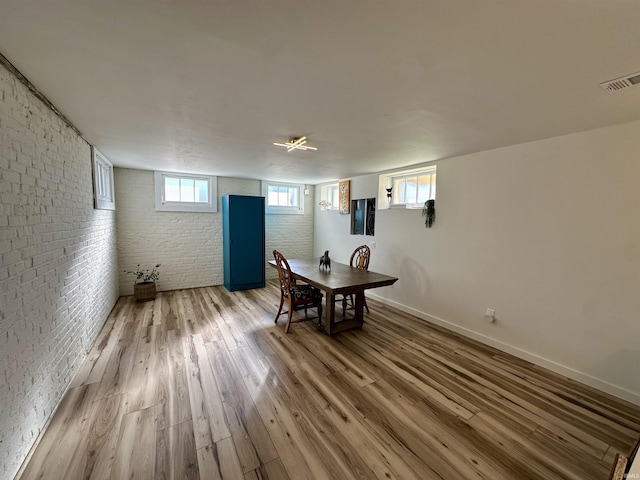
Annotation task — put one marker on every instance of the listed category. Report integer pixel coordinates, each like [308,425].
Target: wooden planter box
[144,291]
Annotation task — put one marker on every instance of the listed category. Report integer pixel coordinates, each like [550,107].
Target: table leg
[358,308]
[330,314]
[331,327]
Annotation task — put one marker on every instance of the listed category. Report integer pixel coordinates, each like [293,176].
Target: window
[177,192]
[103,193]
[409,189]
[283,198]
[329,198]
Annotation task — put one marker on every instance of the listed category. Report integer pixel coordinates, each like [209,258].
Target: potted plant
[144,287]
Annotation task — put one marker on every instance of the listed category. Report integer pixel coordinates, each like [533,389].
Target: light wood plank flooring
[201,384]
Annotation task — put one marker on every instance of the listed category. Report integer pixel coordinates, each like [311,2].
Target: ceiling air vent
[622,82]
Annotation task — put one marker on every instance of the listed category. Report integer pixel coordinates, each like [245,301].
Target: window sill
[283,211]
[186,207]
[406,206]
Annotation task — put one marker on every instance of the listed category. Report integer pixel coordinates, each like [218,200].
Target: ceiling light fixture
[296,143]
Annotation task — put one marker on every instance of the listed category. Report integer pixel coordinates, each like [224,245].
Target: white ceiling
[208,86]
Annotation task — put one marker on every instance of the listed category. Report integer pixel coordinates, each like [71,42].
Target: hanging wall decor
[429,212]
[358,216]
[371,216]
[345,196]
[363,216]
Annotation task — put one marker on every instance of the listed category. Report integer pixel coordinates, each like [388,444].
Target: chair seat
[304,292]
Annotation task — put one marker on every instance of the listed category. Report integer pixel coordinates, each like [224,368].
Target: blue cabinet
[243,242]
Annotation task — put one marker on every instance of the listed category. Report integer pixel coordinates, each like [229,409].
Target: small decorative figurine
[325,261]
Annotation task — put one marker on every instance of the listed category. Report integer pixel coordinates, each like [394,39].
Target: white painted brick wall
[189,245]
[291,235]
[58,265]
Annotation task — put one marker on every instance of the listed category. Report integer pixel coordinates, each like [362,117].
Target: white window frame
[389,179]
[283,210]
[330,194]
[103,191]
[163,205]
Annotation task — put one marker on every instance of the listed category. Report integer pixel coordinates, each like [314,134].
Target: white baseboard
[581,377]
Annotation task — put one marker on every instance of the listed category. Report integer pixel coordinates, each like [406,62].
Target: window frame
[388,180]
[283,210]
[163,205]
[103,183]
[331,194]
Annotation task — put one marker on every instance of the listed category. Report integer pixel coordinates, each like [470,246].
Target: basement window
[178,192]
[329,198]
[407,189]
[103,192]
[283,198]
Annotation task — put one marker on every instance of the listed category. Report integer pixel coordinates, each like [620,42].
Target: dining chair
[359,259]
[619,467]
[622,464]
[295,295]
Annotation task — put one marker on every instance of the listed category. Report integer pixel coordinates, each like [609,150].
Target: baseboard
[581,377]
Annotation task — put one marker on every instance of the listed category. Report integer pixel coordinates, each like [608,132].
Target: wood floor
[201,384]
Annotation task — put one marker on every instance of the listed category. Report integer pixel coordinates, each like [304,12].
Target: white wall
[58,265]
[546,233]
[189,245]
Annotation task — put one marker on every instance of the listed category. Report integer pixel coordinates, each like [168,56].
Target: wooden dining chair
[622,464]
[359,259]
[619,467]
[295,295]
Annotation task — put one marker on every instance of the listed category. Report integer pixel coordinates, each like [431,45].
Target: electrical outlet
[373,245]
[490,315]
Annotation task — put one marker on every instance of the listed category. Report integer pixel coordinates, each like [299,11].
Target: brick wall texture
[189,245]
[58,265]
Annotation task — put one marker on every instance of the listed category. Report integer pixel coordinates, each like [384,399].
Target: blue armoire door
[243,242]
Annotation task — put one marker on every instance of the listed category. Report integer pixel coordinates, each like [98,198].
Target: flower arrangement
[147,275]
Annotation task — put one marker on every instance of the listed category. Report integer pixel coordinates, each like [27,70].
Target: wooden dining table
[341,279]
